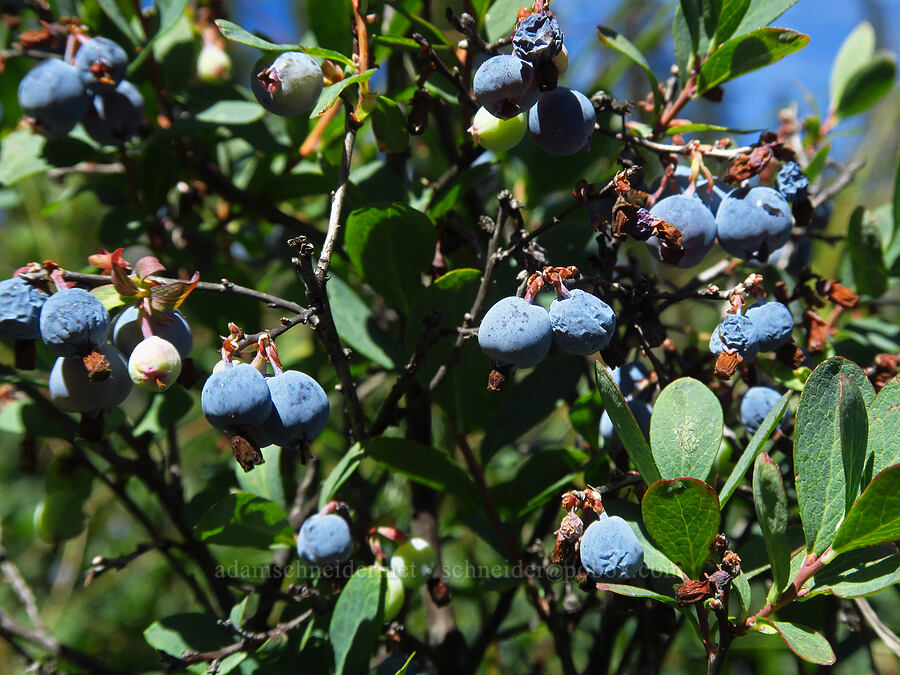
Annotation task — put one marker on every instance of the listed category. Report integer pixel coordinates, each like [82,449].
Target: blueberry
[72,389]
[582,323]
[414,561]
[629,377]
[495,134]
[53,94]
[735,333]
[821,215]
[690,215]
[289,85]
[774,324]
[101,64]
[562,122]
[641,411]
[756,404]
[127,330]
[324,539]
[753,222]
[792,182]
[538,38]
[73,322]
[154,364]
[236,396]
[681,179]
[610,550]
[300,410]
[515,332]
[505,85]
[20,309]
[115,116]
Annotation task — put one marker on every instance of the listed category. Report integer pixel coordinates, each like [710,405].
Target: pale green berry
[154,364]
[496,135]
[413,562]
[213,64]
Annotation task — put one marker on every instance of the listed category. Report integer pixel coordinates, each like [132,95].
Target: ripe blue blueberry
[101,64]
[681,180]
[792,182]
[610,550]
[563,121]
[735,333]
[289,85]
[582,323]
[690,215]
[127,330]
[236,396]
[538,38]
[73,322]
[505,85]
[72,389]
[774,324]
[753,222]
[115,116]
[515,332]
[641,411]
[20,309]
[300,410]
[53,94]
[324,539]
[756,404]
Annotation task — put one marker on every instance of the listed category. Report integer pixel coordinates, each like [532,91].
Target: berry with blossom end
[736,333]
[155,364]
[236,396]
[101,63]
[289,85]
[495,134]
[73,389]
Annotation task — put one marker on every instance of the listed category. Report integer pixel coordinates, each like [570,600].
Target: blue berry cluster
[561,120]
[766,327]
[57,95]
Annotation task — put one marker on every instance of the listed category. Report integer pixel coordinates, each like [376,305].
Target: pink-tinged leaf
[124,284]
[105,260]
[147,266]
[169,296]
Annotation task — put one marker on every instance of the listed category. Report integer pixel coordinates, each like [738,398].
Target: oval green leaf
[875,517]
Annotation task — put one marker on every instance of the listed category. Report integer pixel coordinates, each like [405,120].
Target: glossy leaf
[740,589]
[541,476]
[856,49]
[760,13]
[188,632]
[854,436]
[773,417]
[585,414]
[332,23]
[231,113]
[866,257]
[243,519]
[21,155]
[389,125]
[771,504]
[330,93]
[733,12]
[874,517]
[884,429]
[391,246]
[637,592]
[356,621]
[264,481]
[747,53]
[500,19]
[356,325]
[806,643]
[686,429]
[683,517]
[625,425]
[818,463]
[867,85]
[340,473]
[859,573]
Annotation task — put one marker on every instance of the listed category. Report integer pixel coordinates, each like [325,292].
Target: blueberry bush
[437,340]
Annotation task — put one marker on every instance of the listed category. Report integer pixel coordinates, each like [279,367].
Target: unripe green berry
[496,135]
[154,364]
[213,64]
[413,562]
[394,593]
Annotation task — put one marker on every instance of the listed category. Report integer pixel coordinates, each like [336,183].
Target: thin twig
[21,588]
[842,181]
[668,149]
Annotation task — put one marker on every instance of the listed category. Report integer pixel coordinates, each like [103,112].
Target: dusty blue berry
[680,181]
[324,539]
[101,64]
[73,390]
[53,94]
[698,225]
[73,322]
[735,333]
[236,396]
[582,323]
[753,222]
[756,404]
[300,410]
[562,121]
[515,332]
[538,38]
[774,324]
[610,550]
[505,86]
[20,309]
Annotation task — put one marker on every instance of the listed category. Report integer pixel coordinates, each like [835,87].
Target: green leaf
[875,517]
[391,246]
[389,125]
[231,113]
[21,155]
[685,43]
[654,559]
[746,53]
[109,296]
[818,464]
[623,45]
[114,12]
[696,127]
[356,324]
[854,436]
[740,587]
[771,504]
[884,429]
[817,163]
[500,19]
[856,49]
[332,23]
[625,425]
[859,573]
[330,93]
[165,411]
[637,592]
[170,11]
[806,643]
[340,473]
[265,481]
[866,257]
[867,86]
[733,12]
[692,11]
[686,429]
[683,518]
[773,417]
[760,13]
[243,519]
[585,414]
[422,464]
[356,621]
[237,34]
[188,632]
